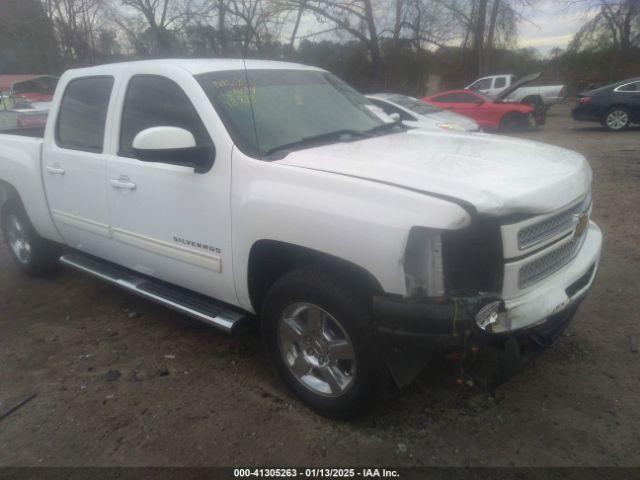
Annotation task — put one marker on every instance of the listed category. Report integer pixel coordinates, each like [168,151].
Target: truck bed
[20,170]
[36,132]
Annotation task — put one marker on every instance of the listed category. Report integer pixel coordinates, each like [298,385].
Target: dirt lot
[120,381]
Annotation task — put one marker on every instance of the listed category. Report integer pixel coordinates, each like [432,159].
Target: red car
[32,120]
[490,114]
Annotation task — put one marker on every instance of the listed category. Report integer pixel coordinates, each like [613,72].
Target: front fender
[363,222]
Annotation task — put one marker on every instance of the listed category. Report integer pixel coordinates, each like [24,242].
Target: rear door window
[629,87]
[500,82]
[83,114]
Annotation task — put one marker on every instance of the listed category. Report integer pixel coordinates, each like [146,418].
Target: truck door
[74,167]
[168,221]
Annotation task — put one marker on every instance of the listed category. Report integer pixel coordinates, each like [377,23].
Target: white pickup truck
[232,191]
[544,96]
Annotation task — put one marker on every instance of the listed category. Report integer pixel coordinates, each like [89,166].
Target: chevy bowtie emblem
[581,226]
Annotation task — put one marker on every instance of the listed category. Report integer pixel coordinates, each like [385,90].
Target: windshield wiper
[318,139]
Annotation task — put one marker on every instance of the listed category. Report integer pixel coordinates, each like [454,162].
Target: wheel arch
[513,114]
[617,105]
[270,259]
[7,192]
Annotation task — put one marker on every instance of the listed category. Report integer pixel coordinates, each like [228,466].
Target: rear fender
[21,177]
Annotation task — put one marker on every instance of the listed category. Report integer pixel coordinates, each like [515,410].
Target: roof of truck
[195,66]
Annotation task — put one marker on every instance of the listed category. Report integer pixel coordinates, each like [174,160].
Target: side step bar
[179,299]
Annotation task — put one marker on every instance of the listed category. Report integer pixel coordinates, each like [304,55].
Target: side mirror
[479,102]
[395,117]
[173,145]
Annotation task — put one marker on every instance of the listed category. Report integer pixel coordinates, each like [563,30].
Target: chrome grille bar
[550,263]
[550,227]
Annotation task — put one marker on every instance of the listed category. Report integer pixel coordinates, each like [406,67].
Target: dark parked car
[615,106]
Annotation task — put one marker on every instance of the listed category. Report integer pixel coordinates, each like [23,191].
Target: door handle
[55,169]
[122,183]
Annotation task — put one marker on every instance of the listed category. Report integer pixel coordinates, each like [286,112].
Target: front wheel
[617,119]
[513,122]
[318,335]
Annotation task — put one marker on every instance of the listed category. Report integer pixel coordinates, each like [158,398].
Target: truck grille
[552,226]
[548,264]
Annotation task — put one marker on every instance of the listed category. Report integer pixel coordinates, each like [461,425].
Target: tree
[356,17]
[487,25]
[296,25]
[162,21]
[252,22]
[76,24]
[27,42]
[616,24]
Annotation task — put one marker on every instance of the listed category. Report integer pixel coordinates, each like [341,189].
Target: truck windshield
[270,110]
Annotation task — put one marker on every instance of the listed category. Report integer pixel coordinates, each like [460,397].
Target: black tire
[513,122]
[352,309]
[612,125]
[42,255]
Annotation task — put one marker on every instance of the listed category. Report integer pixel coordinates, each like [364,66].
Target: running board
[179,299]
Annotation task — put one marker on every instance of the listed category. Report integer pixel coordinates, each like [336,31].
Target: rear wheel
[617,119]
[32,253]
[513,122]
[317,333]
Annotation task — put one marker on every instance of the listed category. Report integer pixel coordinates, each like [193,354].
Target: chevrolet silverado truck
[236,191]
[537,96]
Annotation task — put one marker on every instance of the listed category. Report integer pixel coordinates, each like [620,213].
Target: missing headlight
[423,263]
[472,258]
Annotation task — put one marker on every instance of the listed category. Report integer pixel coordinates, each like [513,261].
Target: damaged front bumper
[411,330]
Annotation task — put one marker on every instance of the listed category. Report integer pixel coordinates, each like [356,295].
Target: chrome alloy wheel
[617,119]
[316,349]
[18,240]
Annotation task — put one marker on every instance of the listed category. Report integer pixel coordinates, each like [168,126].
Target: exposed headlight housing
[424,276]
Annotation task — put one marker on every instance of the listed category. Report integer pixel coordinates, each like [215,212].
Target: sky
[552,26]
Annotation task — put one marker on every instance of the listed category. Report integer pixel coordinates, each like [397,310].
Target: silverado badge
[581,227]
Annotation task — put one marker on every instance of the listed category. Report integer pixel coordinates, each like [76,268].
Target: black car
[615,106]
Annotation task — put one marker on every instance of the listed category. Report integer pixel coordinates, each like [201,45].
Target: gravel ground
[120,381]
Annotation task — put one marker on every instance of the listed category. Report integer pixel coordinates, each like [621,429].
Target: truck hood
[496,175]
